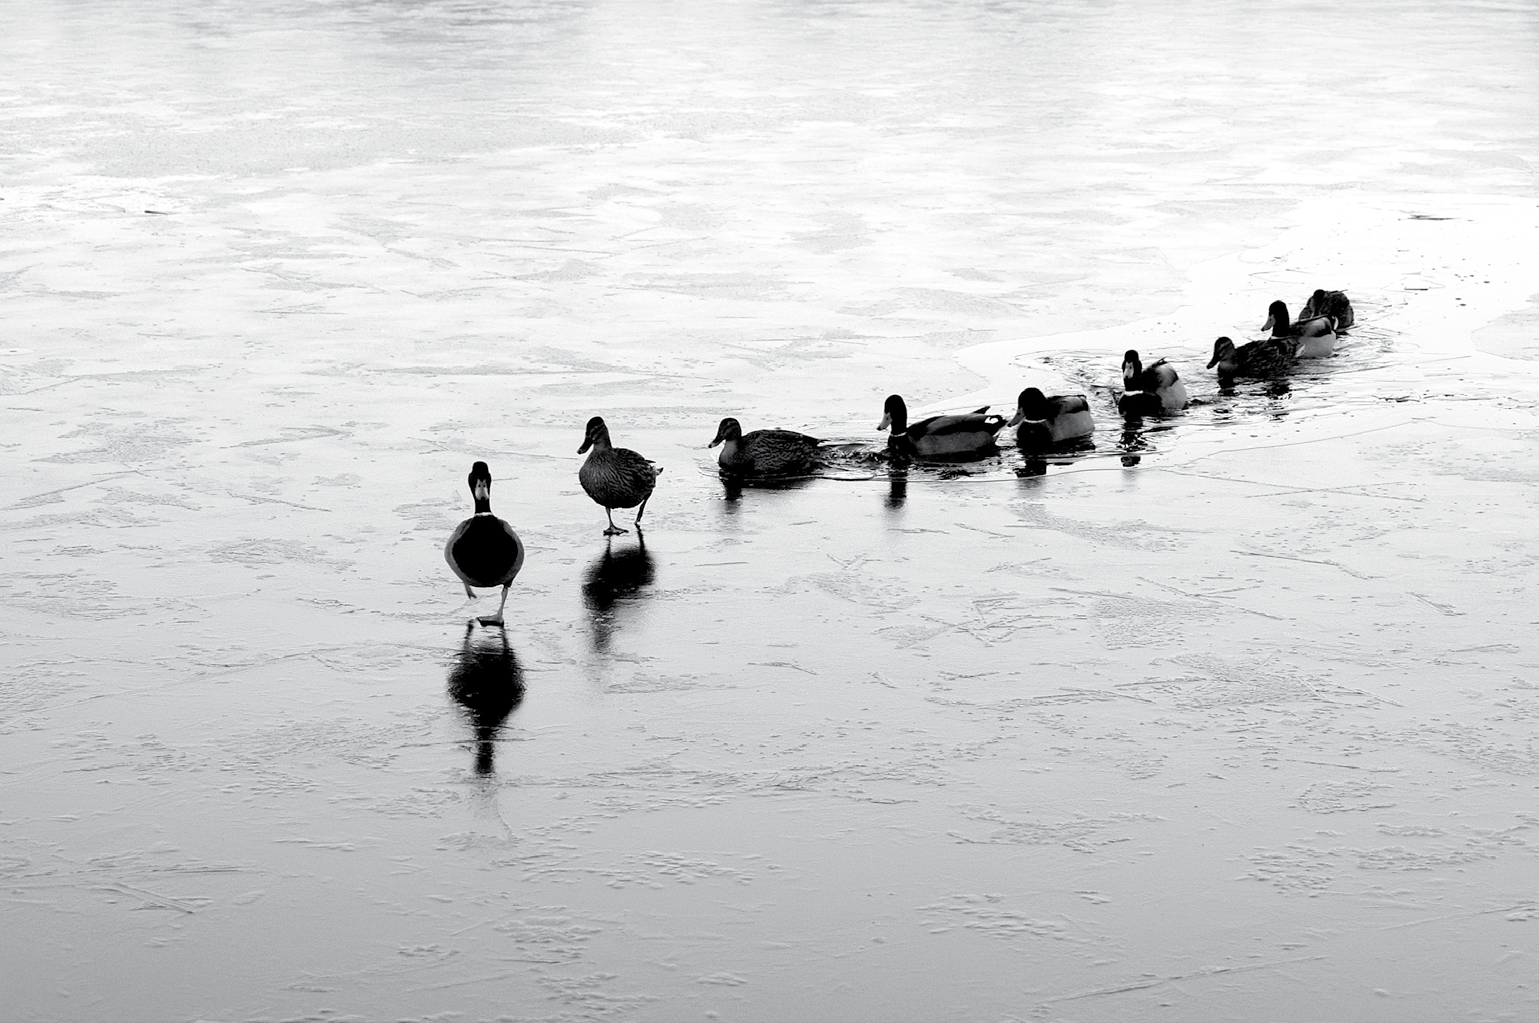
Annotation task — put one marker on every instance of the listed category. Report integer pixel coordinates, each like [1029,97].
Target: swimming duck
[763,452]
[1044,422]
[1267,358]
[1314,338]
[1329,303]
[1150,390]
[483,550]
[970,434]
[615,477]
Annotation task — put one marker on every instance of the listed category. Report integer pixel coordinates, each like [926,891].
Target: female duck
[763,452]
[483,550]
[1334,304]
[1044,422]
[1150,390]
[969,435]
[1314,338]
[615,477]
[1268,358]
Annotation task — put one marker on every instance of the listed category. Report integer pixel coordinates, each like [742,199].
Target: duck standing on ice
[483,550]
[615,477]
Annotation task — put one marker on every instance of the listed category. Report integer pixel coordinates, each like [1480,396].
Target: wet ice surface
[1243,729]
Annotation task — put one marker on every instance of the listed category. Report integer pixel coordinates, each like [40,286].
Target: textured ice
[1231,717]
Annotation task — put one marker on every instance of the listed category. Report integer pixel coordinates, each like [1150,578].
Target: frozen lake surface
[1232,718]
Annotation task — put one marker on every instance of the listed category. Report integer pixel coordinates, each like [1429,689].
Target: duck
[1044,422]
[968,435]
[483,550]
[1150,390]
[1329,303]
[1313,338]
[1266,358]
[615,477]
[763,452]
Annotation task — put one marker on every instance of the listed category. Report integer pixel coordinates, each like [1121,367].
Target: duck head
[894,415]
[1132,369]
[480,480]
[597,434]
[1223,355]
[1277,319]
[729,431]
[1031,406]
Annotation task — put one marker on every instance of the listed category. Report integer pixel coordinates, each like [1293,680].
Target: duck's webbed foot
[615,531]
[496,619]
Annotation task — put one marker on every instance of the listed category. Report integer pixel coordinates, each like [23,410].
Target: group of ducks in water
[484,551]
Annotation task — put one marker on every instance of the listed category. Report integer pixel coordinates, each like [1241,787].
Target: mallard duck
[615,477]
[763,452]
[483,550]
[1267,358]
[970,434]
[1329,303]
[1044,422]
[1313,338]
[1150,390]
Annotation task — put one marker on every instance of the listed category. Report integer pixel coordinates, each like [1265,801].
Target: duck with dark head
[1313,337]
[950,437]
[483,550]
[1044,423]
[1153,390]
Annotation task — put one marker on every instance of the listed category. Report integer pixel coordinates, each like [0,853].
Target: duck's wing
[970,422]
[1068,404]
[1315,326]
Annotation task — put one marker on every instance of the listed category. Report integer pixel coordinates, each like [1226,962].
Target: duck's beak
[587,442]
[483,491]
[718,440]
[1270,321]
[1016,419]
[1213,361]
[885,423]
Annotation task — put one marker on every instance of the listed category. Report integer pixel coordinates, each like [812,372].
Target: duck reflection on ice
[897,483]
[487,682]
[615,579]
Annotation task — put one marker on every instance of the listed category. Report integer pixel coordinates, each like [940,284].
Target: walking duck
[483,550]
[969,435]
[1313,338]
[1042,422]
[763,452]
[1150,390]
[1267,358]
[615,477]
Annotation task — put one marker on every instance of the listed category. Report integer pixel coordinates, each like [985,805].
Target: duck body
[615,477]
[1334,304]
[1314,337]
[1151,390]
[1269,357]
[764,452]
[484,550]
[969,435]
[1042,422]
